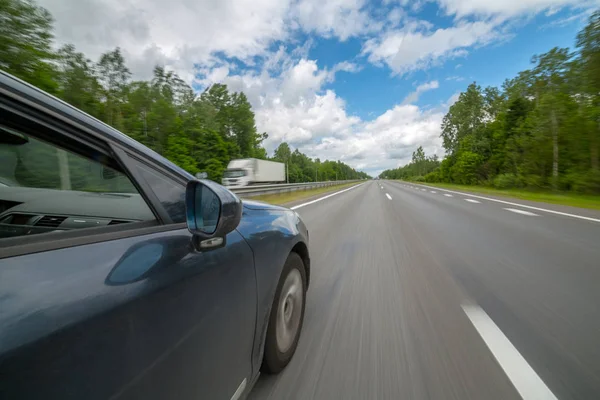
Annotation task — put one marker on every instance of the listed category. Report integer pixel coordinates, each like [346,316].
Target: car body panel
[271,248]
[144,317]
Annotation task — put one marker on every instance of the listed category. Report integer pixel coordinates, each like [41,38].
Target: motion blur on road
[385,318]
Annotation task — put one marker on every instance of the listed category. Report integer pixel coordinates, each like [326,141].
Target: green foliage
[198,133]
[26,43]
[301,168]
[466,169]
[507,181]
[419,169]
[541,130]
[433,177]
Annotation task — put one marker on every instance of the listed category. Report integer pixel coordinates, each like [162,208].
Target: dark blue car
[123,277]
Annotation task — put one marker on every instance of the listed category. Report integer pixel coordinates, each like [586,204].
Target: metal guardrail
[250,191]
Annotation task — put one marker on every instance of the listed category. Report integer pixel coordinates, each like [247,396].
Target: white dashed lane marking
[472,201]
[388,196]
[510,203]
[325,197]
[523,212]
[527,382]
[448,195]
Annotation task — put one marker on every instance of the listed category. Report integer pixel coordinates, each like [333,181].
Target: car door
[103,293]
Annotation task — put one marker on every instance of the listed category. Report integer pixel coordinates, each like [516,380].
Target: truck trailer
[252,171]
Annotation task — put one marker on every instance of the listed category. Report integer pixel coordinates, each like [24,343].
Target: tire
[283,333]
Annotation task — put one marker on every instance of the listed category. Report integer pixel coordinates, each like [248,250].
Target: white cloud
[309,121]
[455,78]
[414,96]
[183,33]
[560,22]
[413,48]
[290,99]
[462,8]
[386,142]
[338,18]
[453,99]
[418,46]
[177,33]
[346,66]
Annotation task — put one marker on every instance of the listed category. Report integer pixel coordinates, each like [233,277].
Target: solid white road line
[324,197]
[472,201]
[516,210]
[388,196]
[447,195]
[527,382]
[510,203]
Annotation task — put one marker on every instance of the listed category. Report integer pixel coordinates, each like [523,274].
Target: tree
[283,153]
[588,44]
[26,43]
[464,118]
[77,81]
[418,157]
[550,79]
[114,77]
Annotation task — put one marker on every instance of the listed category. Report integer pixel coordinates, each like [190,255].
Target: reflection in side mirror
[206,210]
[212,211]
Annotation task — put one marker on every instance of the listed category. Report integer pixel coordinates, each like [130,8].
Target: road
[417,293]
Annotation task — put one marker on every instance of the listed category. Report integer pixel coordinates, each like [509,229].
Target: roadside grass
[288,197]
[565,199]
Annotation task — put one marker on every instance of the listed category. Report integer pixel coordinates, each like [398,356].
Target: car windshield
[234,173]
[28,162]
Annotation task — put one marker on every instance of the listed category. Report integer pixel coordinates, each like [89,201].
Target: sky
[364,82]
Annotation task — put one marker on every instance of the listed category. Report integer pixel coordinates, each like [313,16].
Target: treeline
[540,130]
[420,165]
[304,169]
[197,132]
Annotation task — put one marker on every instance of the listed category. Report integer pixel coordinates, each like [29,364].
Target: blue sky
[375,89]
[362,81]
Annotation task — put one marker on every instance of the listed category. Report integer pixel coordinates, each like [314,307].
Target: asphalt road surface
[419,293]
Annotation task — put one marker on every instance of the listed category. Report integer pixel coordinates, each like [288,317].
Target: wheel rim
[289,310]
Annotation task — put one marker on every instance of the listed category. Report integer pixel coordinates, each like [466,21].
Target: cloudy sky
[365,82]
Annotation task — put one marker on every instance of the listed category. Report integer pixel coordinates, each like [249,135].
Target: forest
[199,132]
[540,130]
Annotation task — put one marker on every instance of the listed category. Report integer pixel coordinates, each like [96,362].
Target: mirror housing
[211,211]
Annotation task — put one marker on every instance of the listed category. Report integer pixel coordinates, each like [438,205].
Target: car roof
[27,90]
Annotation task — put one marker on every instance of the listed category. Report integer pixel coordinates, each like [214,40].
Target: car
[124,277]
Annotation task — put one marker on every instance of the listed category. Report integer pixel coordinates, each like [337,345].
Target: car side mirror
[212,212]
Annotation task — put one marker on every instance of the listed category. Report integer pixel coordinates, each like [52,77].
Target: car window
[44,188]
[169,192]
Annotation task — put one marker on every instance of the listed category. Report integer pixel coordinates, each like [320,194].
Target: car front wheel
[287,315]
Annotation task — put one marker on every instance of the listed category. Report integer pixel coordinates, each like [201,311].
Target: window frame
[129,160]
[70,134]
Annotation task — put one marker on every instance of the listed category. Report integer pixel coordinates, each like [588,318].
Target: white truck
[252,171]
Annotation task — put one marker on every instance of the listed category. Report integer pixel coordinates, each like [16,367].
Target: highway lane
[536,276]
[393,269]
